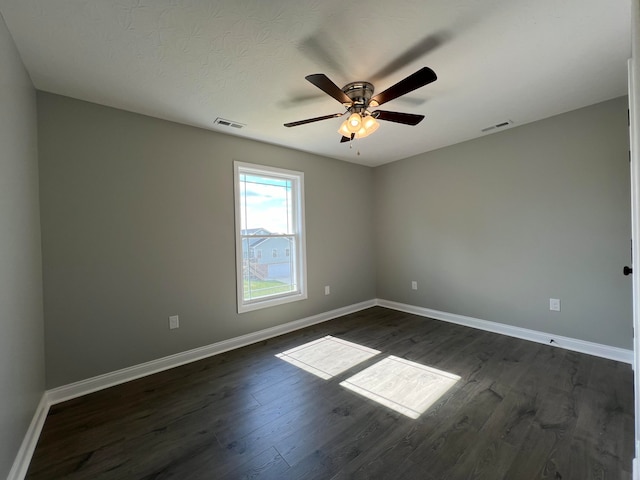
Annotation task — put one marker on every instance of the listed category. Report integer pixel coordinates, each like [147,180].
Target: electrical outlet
[414,285]
[174,322]
[327,290]
[554,304]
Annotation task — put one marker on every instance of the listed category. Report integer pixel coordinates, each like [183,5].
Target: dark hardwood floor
[520,410]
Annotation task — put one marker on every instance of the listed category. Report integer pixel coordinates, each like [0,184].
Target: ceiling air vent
[497,125]
[228,123]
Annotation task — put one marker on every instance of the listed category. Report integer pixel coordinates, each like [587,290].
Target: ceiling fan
[358,99]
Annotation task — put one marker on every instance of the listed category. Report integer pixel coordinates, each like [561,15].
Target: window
[269,206]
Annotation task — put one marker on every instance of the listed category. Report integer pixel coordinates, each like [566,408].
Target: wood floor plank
[520,410]
[451,440]
[266,466]
[501,435]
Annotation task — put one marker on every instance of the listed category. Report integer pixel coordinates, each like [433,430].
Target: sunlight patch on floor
[328,356]
[404,386]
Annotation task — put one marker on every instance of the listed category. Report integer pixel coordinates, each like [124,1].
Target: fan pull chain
[351,146]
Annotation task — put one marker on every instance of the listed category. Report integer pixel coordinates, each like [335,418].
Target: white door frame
[634,137]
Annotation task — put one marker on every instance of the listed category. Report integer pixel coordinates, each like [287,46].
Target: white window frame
[299,253]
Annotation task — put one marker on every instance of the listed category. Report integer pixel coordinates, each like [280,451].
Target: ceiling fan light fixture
[344,129]
[362,133]
[369,125]
[354,123]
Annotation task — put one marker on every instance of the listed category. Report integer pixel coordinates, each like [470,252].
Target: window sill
[272,302]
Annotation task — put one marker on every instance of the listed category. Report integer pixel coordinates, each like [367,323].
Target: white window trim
[299,219]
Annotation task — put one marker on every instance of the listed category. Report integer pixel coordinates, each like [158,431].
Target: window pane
[266,203]
[266,275]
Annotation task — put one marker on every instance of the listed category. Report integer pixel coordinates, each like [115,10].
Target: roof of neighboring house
[255,231]
[255,242]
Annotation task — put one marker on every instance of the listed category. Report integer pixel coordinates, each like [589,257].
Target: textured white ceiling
[191,61]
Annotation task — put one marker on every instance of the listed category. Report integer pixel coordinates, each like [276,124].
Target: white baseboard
[23,458]
[599,350]
[90,385]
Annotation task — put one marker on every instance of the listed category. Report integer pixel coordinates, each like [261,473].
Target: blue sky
[267,204]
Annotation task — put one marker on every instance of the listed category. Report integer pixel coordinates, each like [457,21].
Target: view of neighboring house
[266,257]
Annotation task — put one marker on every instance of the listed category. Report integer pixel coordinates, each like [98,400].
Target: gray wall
[22,332]
[494,227]
[137,225]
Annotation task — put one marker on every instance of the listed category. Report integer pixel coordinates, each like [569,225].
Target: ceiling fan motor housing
[360,94]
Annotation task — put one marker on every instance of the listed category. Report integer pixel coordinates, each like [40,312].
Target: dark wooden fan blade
[311,120]
[398,117]
[321,81]
[347,139]
[419,79]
